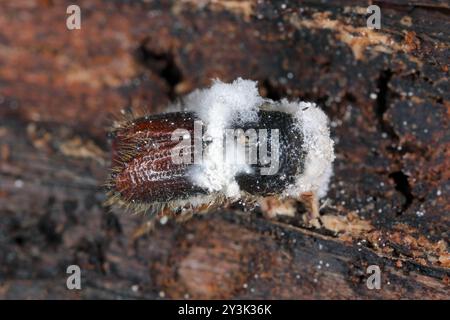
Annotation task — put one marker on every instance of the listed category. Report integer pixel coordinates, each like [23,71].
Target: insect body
[221,145]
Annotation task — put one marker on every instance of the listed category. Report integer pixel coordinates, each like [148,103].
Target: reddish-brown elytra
[143,170]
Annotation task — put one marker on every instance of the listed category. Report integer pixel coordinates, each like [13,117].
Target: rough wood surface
[386,92]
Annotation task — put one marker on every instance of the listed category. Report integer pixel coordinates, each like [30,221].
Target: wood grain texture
[386,92]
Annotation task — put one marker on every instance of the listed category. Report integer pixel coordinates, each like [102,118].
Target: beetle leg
[312,217]
[273,207]
[149,225]
[143,229]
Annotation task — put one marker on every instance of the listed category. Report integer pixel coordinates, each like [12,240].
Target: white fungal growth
[318,146]
[218,106]
[223,103]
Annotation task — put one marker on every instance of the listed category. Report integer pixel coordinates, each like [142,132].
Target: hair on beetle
[218,146]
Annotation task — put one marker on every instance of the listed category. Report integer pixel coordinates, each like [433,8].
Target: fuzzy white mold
[223,103]
[318,145]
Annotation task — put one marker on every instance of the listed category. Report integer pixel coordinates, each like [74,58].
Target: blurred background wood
[386,92]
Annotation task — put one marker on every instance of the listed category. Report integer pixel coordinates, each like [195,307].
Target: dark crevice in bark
[272,92]
[381,105]
[161,63]
[402,185]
